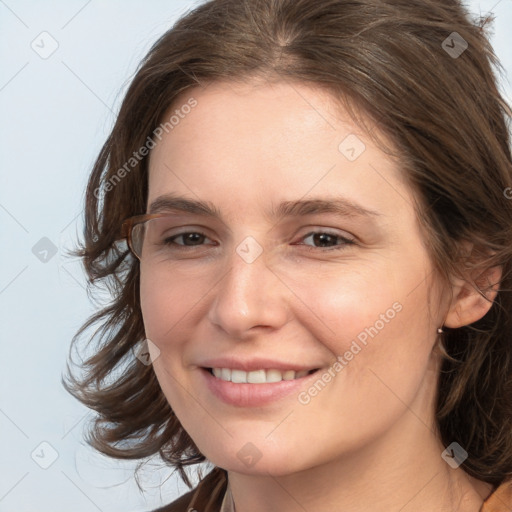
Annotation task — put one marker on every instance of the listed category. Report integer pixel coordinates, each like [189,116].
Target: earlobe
[468,304]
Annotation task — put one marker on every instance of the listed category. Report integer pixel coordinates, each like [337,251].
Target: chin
[254,459]
[270,466]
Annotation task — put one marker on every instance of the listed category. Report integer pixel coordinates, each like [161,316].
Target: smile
[255,388]
[261,376]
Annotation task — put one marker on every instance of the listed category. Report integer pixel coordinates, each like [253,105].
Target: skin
[368,440]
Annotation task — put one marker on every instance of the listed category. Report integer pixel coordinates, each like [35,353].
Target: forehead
[247,143]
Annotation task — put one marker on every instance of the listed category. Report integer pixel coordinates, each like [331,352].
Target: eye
[328,240]
[190,239]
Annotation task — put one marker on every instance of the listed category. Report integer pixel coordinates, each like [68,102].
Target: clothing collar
[227,504]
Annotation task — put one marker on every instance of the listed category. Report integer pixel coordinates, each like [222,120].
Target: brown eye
[190,239]
[327,240]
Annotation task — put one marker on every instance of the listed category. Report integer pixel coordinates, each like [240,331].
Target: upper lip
[255,364]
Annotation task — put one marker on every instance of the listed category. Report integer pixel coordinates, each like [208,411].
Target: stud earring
[440,330]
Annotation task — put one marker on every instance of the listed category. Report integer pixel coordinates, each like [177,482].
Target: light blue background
[55,115]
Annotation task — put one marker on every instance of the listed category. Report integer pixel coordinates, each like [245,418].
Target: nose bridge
[249,294]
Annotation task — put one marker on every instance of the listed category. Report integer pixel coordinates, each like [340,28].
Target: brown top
[212,495]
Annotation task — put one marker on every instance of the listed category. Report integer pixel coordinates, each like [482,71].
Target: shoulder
[205,497]
[500,500]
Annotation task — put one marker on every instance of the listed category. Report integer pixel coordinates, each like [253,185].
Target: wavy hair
[399,63]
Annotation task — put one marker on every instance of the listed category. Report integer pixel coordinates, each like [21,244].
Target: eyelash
[345,241]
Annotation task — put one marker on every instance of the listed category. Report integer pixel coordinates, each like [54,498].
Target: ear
[468,305]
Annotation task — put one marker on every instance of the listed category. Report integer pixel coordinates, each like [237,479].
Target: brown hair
[392,59]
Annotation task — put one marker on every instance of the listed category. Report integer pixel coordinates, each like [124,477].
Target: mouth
[257,387]
[262,376]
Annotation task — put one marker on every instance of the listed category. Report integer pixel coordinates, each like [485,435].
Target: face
[312,259]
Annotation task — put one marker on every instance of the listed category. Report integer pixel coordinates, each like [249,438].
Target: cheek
[339,306]
[165,304]
[374,331]
[154,302]
[382,349]
[168,302]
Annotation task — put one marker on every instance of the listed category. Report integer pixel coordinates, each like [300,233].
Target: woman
[314,296]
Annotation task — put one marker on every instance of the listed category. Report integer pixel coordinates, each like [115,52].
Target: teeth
[237,376]
[257,376]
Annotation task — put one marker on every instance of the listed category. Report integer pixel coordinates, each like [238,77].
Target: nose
[249,296]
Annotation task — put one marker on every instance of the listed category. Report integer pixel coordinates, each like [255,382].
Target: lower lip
[253,395]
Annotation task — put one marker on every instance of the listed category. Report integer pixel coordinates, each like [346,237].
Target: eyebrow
[339,205]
